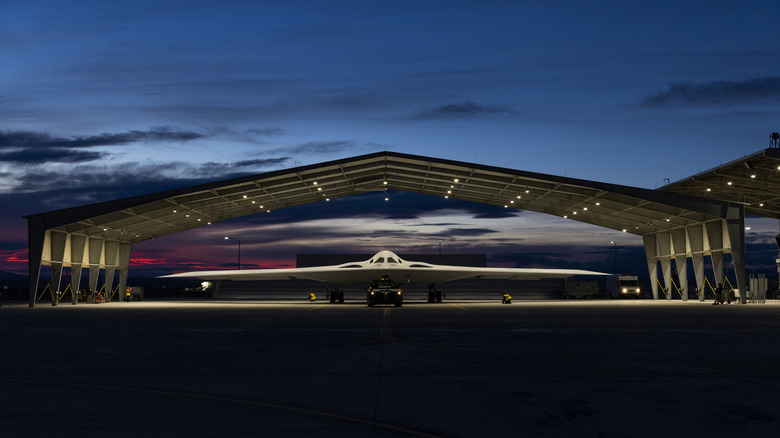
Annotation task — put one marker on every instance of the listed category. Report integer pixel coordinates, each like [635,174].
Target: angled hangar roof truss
[753,181]
[101,235]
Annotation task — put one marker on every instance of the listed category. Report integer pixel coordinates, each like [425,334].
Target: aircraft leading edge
[384,265]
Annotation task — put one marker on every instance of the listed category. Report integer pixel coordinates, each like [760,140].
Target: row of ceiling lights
[730,183]
[319,189]
[625,230]
[518,197]
[121,232]
[449,192]
[456,180]
[186,215]
[255,202]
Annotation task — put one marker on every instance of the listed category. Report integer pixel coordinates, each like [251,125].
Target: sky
[101,100]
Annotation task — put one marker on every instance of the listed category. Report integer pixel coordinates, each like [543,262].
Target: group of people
[720,295]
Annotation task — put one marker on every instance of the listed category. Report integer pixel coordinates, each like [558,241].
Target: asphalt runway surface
[456,369]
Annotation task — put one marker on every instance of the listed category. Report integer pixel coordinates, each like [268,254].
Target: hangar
[679,221]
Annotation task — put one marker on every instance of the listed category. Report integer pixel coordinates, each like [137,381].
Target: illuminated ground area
[458,369]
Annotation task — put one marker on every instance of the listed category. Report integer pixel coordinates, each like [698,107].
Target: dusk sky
[101,100]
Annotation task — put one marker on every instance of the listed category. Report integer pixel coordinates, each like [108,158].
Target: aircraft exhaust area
[462,368]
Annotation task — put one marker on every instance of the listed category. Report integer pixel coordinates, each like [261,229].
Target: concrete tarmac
[465,368]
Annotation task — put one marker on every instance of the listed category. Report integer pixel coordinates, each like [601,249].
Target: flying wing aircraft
[385,266]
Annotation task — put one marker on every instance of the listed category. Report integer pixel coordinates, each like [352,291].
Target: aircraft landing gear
[434,295]
[336,295]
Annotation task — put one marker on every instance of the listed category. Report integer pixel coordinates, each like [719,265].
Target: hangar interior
[703,215]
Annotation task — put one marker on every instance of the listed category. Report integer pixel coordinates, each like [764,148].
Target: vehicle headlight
[372,292]
[399,292]
[637,290]
[625,290]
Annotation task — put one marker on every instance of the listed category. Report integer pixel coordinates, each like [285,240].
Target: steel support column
[112,250]
[681,260]
[696,241]
[36,236]
[735,227]
[652,262]
[58,242]
[715,240]
[78,245]
[95,255]
[664,250]
[124,266]
[717,267]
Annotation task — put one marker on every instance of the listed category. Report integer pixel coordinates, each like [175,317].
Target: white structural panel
[709,239]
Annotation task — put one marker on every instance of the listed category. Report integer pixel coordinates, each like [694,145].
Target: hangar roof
[753,180]
[629,209]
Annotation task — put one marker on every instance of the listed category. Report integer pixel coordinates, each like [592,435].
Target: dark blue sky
[106,99]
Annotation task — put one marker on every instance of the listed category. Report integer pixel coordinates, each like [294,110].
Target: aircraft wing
[329,274]
[364,274]
[449,273]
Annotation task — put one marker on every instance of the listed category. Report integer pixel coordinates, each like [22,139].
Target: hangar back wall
[674,226]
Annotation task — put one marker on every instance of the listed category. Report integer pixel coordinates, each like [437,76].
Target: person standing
[718,294]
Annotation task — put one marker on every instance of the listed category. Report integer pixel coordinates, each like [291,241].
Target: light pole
[615,246]
[239,250]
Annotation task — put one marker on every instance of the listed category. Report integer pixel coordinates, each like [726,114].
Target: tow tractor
[384,291]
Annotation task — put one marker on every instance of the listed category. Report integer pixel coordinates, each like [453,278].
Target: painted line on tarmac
[459,307]
[387,331]
[401,429]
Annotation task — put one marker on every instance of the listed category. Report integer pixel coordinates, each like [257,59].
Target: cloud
[214,168]
[494,214]
[401,216]
[461,110]
[408,233]
[249,136]
[30,147]
[313,147]
[50,155]
[715,93]
[266,132]
[88,183]
[323,147]
[267,162]
[28,139]
[466,232]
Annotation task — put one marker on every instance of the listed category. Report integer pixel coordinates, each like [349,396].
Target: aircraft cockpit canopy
[386,257]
